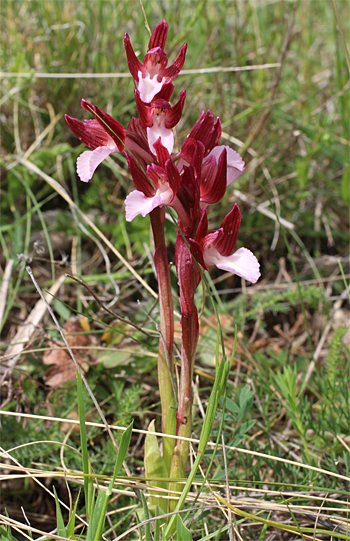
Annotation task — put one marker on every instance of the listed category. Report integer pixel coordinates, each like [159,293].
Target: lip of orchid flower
[153,73]
[159,117]
[103,135]
[216,247]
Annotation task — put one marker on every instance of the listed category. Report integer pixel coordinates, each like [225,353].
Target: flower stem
[166,341]
[189,325]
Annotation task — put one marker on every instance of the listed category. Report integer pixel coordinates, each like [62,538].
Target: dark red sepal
[134,64]
[108,123]
[141,182]
[172,71]
[197,252]
[159,35]
[144,111]
[230,226]
[173,176]
[213,188]
[90,138]
[173,115]
[162,152]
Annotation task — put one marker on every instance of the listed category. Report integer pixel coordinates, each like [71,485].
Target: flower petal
[167,137]
[230,227]
[148,87]
[159,34]
[139,178]
[89,160]
[137,203]
[133,62]
[114,130]
[173,115]
[235,164]
[243,263]
[88,132]
[172,71]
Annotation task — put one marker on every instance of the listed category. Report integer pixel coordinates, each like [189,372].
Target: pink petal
[148,87]
[235,164]
[89,160]
[137,203]
[243,263]
[167,137]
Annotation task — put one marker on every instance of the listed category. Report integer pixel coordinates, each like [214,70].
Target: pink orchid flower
[216,247]
[103,135]
[159,117]
[208,133]
[153,73]
[156,188]
[211,175]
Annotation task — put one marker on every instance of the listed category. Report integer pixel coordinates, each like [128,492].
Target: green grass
[292,437]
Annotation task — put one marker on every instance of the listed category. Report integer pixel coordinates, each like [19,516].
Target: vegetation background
[277,74]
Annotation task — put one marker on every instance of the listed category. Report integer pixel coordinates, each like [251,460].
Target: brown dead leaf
[64,368]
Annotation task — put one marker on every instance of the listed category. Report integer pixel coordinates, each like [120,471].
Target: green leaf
[345,185]
[61,529]
[123,449]
[241,431]
[6,534]
[155,469]
[98,517]
[245,396]
[146,513]
[99,513]
[61,309]
[232,406]
[71,523]
[245,402]
[183,533]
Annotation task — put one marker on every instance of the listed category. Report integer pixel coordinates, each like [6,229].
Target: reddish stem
[166,309]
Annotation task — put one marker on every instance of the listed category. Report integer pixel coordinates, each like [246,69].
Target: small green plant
[295,403]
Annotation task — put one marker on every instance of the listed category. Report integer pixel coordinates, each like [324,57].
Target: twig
[269,213]
[43,75]
[145,17]
[34,478]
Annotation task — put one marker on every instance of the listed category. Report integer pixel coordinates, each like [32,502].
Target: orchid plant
[188,180]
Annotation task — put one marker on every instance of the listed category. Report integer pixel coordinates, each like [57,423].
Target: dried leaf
[64,368]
